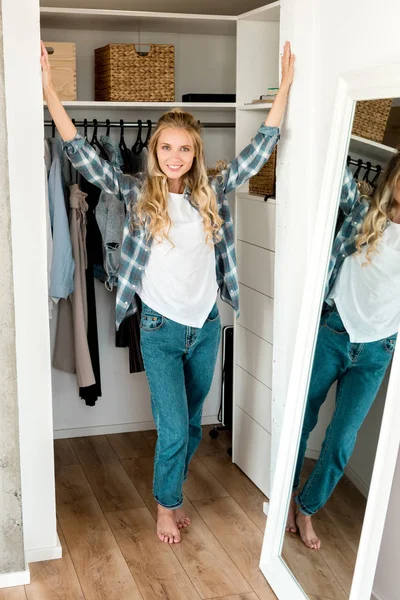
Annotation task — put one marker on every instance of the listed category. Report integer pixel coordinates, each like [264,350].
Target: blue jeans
[179,363]
[359,370]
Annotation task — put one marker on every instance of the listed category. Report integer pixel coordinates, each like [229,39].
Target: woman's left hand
[287,66]
[275,115]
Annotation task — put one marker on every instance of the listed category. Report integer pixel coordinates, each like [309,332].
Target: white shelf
[217,106]
[370,149]
[129,20]
[247,196]
[265,106]
[264,13]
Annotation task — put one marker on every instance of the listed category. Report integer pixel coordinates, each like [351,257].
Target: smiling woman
[177,253]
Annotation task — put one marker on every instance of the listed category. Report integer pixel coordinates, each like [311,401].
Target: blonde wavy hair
[382,208]
[152,206]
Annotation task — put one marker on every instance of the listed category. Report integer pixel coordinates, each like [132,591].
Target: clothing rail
[135,124]
[363,165]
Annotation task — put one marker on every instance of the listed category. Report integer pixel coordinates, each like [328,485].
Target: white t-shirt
[180,280]
[368,298]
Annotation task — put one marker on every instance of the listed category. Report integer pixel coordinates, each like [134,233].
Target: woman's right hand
[46,69]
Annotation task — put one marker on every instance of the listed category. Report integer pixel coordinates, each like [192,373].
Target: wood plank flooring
[106,519]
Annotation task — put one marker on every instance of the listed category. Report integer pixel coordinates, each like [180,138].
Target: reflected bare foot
[307,533]
[182,520]
[167,528]
[291,518]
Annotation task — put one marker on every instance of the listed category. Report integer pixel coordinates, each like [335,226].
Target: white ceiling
[220,7]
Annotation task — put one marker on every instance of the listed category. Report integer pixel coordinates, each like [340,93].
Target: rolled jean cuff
[171,507]
[303,509]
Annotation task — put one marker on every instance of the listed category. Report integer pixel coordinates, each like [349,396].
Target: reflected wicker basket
[263,184]
[370,119]
[124,74]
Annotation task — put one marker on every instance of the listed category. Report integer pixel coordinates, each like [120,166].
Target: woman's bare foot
[307,533]
[182,520]
[167,528]
[291,518]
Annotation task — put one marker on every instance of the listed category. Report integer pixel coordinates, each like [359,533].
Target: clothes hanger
[138,145]
[374,182]
[95,142]
[122,145]
[359,167]
[108,124]
[85,126]
[126,153]
[53,129]
[148,136]
[367,172]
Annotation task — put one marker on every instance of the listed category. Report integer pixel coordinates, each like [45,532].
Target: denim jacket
[110,217]
[136,245]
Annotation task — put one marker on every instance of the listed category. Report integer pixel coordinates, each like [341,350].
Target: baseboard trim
[376,596]
[358,482]
[118,428]
[15,579]
[39,554]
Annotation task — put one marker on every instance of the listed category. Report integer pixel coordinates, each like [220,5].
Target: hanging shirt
[367,297]
[62,264]
[180,280]
[137,247]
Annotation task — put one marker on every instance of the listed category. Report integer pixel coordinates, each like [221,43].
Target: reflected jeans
[359,370]
[179,363]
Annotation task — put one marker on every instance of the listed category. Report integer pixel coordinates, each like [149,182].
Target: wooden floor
[106,523]
[328,573]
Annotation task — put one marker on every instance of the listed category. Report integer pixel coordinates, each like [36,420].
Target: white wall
[25,147]
[329,39]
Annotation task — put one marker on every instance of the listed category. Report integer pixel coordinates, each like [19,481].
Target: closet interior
[214,55]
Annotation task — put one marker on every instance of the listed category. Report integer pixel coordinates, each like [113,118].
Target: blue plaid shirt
[136,246]
[355,209]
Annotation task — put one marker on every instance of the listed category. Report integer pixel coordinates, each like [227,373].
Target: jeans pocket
[333,322]
[214,314]
[150,320]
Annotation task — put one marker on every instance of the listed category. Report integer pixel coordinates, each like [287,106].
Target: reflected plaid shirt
[355,209]
[136,245]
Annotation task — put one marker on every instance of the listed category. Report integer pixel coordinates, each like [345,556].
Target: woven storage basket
[370,119]
[122,74]
[263,184]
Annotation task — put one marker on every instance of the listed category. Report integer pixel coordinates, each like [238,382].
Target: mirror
[351,363]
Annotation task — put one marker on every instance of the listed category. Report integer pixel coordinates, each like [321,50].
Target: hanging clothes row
[84,241]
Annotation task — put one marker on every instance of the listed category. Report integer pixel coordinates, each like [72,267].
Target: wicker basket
[122,74]
[263,184]
[370,119]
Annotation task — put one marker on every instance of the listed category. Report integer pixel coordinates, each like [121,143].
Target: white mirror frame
[369,84]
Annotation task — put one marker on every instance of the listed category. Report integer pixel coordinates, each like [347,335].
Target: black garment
[128,335]
[94,250]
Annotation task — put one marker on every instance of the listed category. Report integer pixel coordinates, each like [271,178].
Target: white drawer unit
[258,45]
[253,454]
[253,397]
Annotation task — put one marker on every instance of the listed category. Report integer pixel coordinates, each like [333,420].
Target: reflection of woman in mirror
[178,250]
[356,339]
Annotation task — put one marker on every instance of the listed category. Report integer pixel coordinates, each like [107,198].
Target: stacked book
[267,98]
